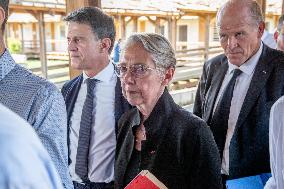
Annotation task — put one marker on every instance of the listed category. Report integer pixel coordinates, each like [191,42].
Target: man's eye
[240,34]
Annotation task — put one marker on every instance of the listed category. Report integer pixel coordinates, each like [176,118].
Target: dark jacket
[180,150]
[249,147]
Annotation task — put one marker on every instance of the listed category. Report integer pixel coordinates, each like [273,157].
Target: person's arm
[205,170]
[48,117]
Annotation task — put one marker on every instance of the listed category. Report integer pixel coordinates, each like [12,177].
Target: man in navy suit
[95,107]
[241,128]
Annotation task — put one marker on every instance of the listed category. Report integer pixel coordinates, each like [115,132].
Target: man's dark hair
[280,23]
[5,5]
[101,23]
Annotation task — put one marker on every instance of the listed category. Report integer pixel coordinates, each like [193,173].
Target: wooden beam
[52,28]
[42,42]
[158,25]
[122,28]
[135,24]
[72,5]
[172,30]
[282,12]
[207,33]
[262,4]
[22,36]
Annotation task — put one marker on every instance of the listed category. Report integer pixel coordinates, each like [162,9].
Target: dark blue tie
[81,167]
[219,121]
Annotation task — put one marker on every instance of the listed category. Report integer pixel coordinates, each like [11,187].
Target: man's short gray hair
[254,10]
[157,45]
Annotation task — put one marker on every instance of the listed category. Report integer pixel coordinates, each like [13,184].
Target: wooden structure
[38,9]
[132,13]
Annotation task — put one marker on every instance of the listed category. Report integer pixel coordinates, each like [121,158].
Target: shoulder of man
[216,60]
[69,85]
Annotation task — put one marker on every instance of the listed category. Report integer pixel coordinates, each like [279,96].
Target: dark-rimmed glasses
[137,70]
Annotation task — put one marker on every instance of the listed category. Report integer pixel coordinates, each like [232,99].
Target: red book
[145,180]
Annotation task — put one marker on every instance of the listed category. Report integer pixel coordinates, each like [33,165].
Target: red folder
[145,180]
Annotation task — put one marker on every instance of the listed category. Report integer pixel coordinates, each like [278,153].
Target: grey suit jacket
[249,147]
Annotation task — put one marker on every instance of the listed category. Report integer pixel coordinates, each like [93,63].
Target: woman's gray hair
[157,45]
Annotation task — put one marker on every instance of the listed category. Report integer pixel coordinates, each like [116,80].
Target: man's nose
[232,42]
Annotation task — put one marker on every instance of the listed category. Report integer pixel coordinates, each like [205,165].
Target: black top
[180,150]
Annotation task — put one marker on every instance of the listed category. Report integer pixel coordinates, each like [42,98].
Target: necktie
[81,167]
[219,121]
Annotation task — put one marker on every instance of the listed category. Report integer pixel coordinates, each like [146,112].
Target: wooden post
[122,28]
[262,4]
[135,24]
[282,12]
[158,25]
[52,30]
[172,29]
[206,41]
[72,5]
[22,37]
[42,42]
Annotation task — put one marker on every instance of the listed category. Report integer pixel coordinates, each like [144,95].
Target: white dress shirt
[103,138]
[276,145]
[241,87]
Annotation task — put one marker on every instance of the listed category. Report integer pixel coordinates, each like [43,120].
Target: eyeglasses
[137,70]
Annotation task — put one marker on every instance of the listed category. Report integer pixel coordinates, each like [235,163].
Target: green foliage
[14,45]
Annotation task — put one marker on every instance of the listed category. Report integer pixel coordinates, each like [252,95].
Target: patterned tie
[219,121]
[81,167]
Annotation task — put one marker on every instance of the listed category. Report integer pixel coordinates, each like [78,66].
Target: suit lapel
[71,97]
[262,72]
[127,146]
[213,91]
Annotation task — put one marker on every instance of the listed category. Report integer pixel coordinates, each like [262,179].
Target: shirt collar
[249,66]
[106,75]
[7,64]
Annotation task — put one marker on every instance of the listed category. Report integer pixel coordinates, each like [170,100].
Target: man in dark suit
[238,88]
[93,99]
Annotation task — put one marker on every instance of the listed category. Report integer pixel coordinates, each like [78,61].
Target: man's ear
[261,28]
[168,76]
[105,45]
[275,35]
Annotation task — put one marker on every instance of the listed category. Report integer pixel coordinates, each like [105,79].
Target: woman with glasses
[158,135]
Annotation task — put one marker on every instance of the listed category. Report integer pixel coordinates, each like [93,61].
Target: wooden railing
[189,64]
